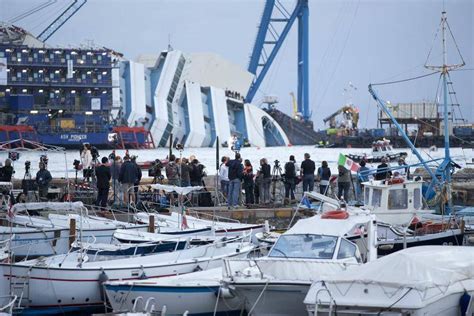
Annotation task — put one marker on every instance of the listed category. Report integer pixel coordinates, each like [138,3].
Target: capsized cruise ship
[193,98]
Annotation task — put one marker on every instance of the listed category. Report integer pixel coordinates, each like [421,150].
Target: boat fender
[464,303]
[103,277]
[225,292]
[386,247]
[336,214]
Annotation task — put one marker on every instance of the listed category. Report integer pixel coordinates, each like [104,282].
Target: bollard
[151,224]
[72,231]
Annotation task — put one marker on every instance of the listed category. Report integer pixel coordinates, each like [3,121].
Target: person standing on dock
[290,179]
[127,177]
[86,158]
[43,178]
[115,170]
[224,176]
[324,174]
[235,178]
[266,181]
[307,171]
[103,175]
[343,183]
[172,171]
[248,183]
[6,172]
[138,178]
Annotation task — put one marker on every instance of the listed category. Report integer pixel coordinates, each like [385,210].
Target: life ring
[337,214]
[396,181]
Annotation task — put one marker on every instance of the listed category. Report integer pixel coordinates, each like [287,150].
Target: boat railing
[8,308]
[373,172]
[331,299]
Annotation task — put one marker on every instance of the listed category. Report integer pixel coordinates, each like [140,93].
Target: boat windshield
[307,246]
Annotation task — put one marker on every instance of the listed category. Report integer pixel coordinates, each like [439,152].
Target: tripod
[276,177]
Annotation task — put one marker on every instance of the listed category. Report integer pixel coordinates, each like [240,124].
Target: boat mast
[446,168]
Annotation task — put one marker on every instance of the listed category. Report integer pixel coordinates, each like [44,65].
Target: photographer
[307,171]
[43,178]
[128,177]
[235,178]
[6,172]
[266,175]
[155,171]
[103,176]
[197,173]
[290,179]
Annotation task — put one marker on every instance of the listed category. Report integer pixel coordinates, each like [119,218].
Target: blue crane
[268,42]
[68,13]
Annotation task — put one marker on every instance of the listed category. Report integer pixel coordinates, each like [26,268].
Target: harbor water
[61,163]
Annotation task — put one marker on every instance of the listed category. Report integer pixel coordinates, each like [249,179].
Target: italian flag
[347,163]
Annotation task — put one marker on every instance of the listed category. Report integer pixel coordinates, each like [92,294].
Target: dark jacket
[265,171]
[324,173]
[103,175]
[43,178]
[308,167]
[235,169]
[6,173]
[138,174]
[383,172]
[128,173]
[197,172]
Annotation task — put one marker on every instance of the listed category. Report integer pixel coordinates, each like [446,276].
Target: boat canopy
[173,188]
[56,206]
[331,227]
[418,267]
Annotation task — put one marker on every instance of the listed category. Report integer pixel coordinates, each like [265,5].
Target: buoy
[337,214]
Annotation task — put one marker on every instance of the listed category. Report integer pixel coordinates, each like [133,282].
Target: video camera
[277,163]
[27,165]
[44,160]
[77,164]
[179,147]
[155,169]
[94,153]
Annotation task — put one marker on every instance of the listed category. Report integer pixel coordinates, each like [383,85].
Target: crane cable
[25,14]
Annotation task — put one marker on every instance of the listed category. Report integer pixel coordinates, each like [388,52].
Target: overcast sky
[350,41]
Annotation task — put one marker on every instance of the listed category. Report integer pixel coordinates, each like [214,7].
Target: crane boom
[54,26]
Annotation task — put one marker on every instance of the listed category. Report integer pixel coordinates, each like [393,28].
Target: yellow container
[68,123]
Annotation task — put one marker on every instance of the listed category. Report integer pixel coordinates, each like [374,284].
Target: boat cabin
[394,201]
[315,246]
[381,148]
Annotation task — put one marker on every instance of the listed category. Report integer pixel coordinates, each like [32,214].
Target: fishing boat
[430,280]
[73,281]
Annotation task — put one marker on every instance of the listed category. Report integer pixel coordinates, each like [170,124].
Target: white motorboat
[380,149]
[44,236]
[175,221]
[73,281]
[430,280]
[278,283]
[197,293]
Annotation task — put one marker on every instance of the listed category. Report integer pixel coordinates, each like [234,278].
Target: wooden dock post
[151,224]
[72,231]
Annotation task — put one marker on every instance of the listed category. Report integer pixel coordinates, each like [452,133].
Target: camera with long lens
[76,164]
[179,147]
[155,169]
[94,153]
[27,165]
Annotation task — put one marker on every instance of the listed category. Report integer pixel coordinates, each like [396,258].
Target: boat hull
[46,287]
[274,298]
[196,300]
